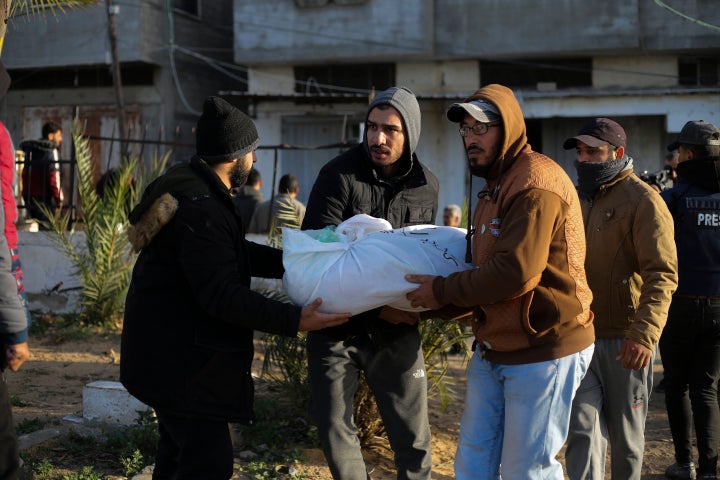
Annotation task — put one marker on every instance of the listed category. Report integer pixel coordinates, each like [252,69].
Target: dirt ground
[49,387]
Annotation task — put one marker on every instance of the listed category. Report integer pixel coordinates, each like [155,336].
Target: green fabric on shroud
[326,235]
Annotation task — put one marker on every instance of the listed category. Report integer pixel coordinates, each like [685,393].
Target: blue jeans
[525,408]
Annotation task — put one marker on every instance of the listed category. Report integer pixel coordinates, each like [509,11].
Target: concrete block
[108,402]
[31,439]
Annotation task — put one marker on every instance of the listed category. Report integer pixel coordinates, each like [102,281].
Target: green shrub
[286,363]
[87,473]
[29,426]
[279,426]
[42,470]
[135,446]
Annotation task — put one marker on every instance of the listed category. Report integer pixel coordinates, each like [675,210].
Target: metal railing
[68,169]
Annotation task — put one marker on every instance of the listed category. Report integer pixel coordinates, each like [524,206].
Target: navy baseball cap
[697,132]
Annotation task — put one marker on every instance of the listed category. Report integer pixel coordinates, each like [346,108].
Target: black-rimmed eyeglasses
[477,129]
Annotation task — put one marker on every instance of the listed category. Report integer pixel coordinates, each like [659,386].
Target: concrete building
[172,54]
[650,64]
[304,69]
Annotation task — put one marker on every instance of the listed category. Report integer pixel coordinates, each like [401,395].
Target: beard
[479,170]
[239,174]
[391,159]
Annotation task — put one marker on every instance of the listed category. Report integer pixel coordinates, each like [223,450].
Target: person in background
[670,164]
[249,196]
[285,203]
[381,177]
[532,322]
[14,317]
[452,215]
[187,337]
[665,178]
[41,172]
[631,266]
[690,344]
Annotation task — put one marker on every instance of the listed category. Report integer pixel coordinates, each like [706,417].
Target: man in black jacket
[690,343]
[41,173]
[187,340]
[381,177]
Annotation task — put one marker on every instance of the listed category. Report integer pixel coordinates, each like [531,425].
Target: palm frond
[104,261]
[24,7]
[286,215]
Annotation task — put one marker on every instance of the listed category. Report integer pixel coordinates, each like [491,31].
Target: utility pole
[112,11]
[5,13]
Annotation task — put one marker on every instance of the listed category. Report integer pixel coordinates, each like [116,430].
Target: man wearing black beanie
[187,339]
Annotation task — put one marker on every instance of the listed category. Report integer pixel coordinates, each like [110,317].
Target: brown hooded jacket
[529,290]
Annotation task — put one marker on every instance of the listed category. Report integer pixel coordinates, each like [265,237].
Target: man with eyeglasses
[532,322]
[631,267]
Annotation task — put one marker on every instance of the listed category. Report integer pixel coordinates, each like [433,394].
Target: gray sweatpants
[610,405]
[395,372]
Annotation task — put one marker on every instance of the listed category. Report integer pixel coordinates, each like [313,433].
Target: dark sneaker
[681,471]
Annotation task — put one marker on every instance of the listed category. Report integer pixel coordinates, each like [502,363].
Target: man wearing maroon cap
[631,266]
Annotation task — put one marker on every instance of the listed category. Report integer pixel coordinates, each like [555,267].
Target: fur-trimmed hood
[194,180]
[155,218]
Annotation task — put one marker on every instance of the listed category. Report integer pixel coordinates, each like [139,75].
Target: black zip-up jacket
[695,206]
[187,339]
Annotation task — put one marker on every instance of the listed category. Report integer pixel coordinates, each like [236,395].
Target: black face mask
[592,175]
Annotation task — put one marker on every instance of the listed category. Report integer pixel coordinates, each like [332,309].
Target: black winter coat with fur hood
[187,339]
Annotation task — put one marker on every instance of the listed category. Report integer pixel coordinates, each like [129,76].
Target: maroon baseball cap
[598,132]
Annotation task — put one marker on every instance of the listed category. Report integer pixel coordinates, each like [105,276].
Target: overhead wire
[173,67]
[667,7]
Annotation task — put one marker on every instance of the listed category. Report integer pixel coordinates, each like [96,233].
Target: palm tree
[10,8]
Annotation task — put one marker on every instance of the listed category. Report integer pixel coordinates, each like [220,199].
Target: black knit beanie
[224,132]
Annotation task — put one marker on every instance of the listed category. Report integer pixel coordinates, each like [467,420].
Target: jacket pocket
[626,298]
[418,215]
[506,327]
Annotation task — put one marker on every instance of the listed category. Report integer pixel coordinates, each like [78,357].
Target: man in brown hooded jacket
[533,325]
